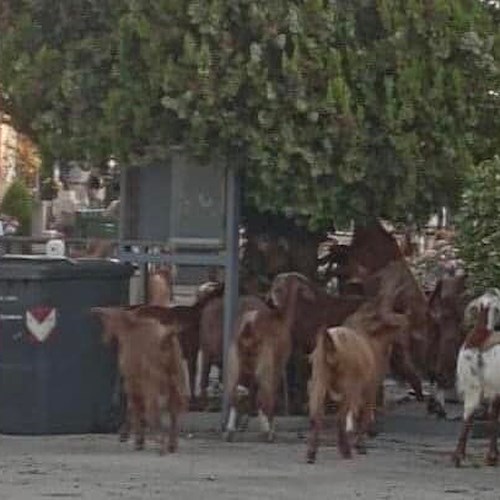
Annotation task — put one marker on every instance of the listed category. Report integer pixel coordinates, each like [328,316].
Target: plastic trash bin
[56,374]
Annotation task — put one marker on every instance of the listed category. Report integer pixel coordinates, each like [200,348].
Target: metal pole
[231,273]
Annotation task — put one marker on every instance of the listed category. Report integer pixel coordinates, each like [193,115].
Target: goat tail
[248,337]
[351,349]
[318,383]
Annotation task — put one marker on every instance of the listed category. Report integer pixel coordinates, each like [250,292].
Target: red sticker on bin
[41,322]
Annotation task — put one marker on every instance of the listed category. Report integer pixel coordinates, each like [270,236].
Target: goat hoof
[229,436]
[441,414]
[435,408]
[345,453]
[270,436]
[311,457]
[172,448]
[361,449]
[491,459]
[123,438]
[431,406]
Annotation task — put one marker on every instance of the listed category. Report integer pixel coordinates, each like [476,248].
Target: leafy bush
[478,225]
[18,203]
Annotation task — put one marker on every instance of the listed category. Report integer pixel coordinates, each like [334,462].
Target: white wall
[8,146]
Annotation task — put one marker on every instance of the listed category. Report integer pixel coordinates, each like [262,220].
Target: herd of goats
[340,347]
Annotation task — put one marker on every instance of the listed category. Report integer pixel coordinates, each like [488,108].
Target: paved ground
[410,460]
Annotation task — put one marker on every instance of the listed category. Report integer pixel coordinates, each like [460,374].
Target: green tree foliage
[479,227]
[18,203]
[341,108]
[57,69]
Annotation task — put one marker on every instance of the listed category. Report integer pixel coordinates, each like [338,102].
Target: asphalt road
[409,460]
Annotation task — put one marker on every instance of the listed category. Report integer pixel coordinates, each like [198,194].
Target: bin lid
[41,267]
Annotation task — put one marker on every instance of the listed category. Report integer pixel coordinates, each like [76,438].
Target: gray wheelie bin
[56,374]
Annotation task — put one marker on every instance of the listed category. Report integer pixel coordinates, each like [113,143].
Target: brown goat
[186,322]
[257,359]
[374,251]
[317,308]
[446,307]
[212,334]
[343,370]
[150,362]
[348,364]
[372,248]
[410,347]
[314,308]
[376,261]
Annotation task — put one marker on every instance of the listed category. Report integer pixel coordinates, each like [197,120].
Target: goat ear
[329,348]
[329,343]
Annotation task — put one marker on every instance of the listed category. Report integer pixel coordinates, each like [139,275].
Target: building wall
[8,155]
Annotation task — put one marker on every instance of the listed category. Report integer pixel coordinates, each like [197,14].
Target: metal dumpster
[56,375]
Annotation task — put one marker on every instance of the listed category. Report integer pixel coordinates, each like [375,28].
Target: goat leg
[376,409]
[365,419]
[313,441]
[231,424]
[265,403]
[194,401]
[297,376]
[342,436]
[459,453]
[173,433]
[435,403]
[139,423]
[415,383]
[267,425]
[286,401]
[120,396]
[134,415]
[124,431]
[125,427]
[492,455]
[204,379]
[163,424]
[403,366]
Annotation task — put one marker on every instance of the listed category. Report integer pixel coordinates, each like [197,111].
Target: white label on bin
[41,322]
[11,317]
[8,298]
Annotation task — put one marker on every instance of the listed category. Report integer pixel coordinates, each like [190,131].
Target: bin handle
[13,256]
